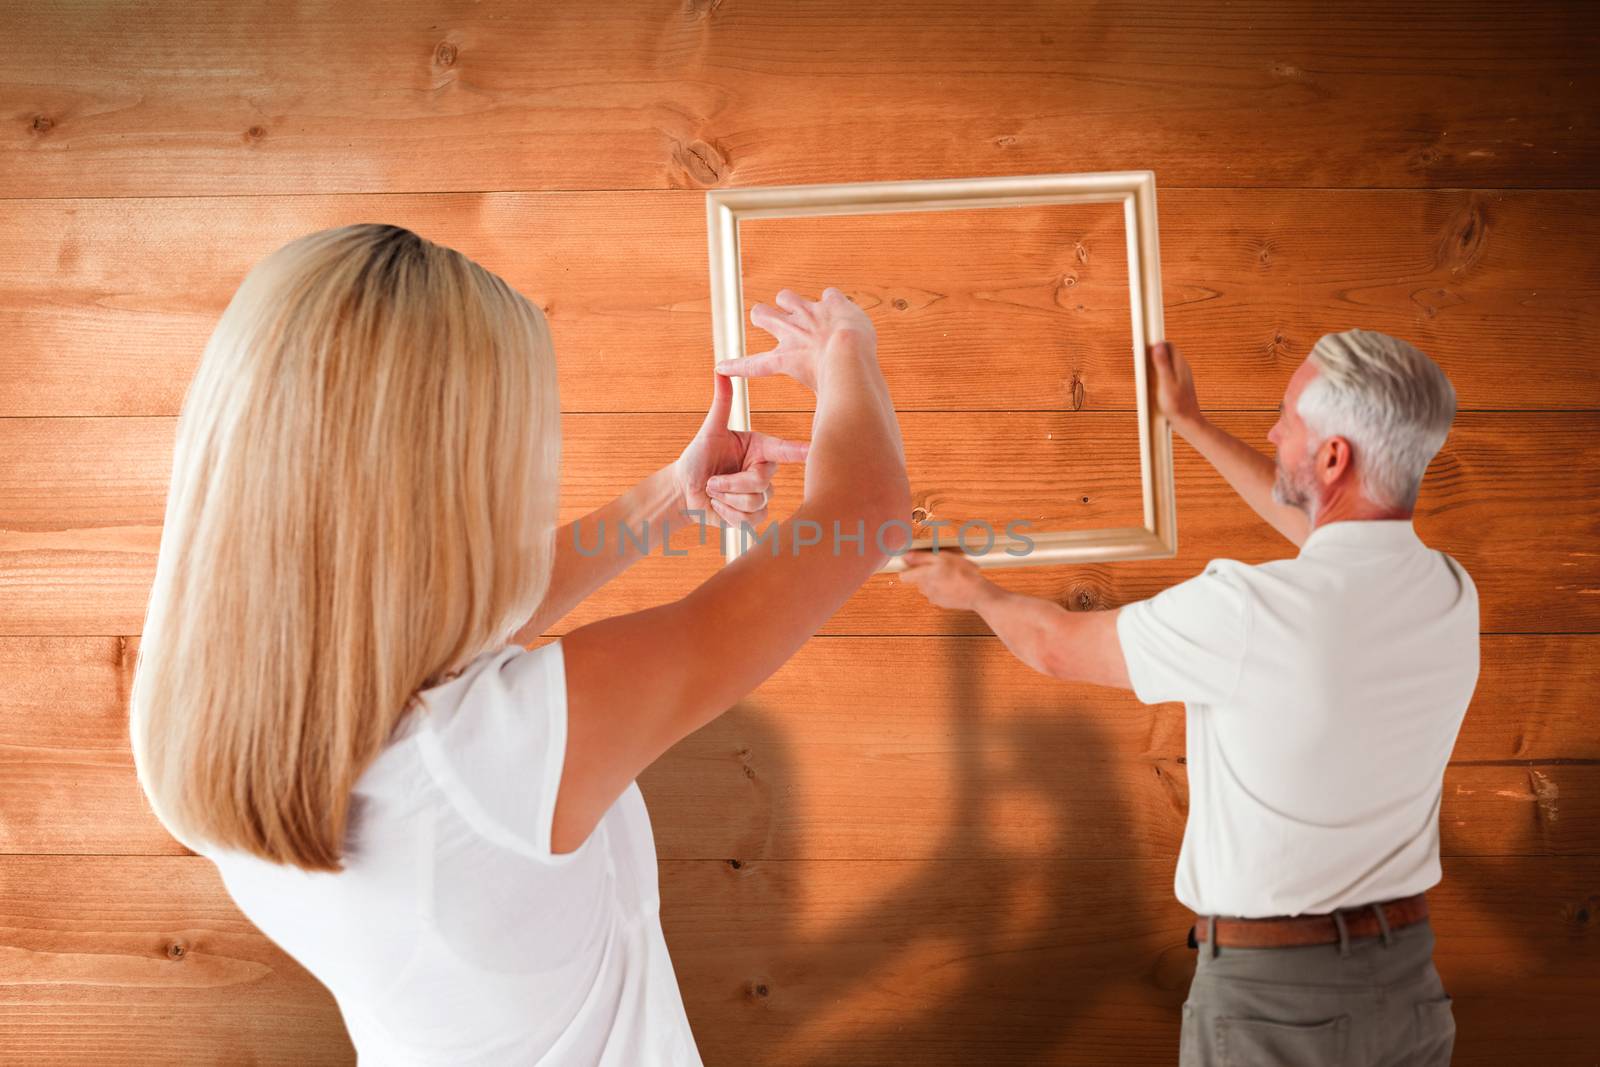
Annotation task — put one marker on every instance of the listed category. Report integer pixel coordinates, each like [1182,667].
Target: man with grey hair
[1323,697]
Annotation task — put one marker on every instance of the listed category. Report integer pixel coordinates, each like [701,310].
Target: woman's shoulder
[494,742]
[493,676]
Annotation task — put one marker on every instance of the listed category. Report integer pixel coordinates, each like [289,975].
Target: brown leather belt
[1313,929]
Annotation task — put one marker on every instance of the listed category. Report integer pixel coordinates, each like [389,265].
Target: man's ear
[1334,458]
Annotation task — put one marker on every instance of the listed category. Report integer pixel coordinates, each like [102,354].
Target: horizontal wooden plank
[223,98]
[148,961]
[103,316]
[769,791]
[1509,496]
[838,755]
[1079,960]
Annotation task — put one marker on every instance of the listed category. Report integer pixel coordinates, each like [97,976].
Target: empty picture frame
[1135,190]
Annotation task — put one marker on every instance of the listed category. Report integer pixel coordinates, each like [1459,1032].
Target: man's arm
[1075,646]
[1249,472]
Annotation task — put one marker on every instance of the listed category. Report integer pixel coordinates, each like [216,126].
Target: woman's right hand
[804,329]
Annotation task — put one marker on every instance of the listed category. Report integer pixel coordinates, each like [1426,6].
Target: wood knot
[757,989]
[177,950]
[1465,237]
[919,515]
[1077,392]
[1083,598]
[1004,142]
[1264,249]
[701,163]
[42,124]
[445,54]
[900,303]
[736,864]
[1081,252]
[255,133]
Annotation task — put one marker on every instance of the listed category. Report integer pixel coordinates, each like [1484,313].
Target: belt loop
[1383,925]
[1344,933]
[1211,934]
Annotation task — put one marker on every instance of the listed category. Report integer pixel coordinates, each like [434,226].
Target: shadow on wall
[988,951]
[1513,940]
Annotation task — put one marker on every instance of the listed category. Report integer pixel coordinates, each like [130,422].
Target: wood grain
[905,847]
[836,756]
[133,959]
[185,100]
[144,960]
[1076,961]
[1498,286]
[81,503]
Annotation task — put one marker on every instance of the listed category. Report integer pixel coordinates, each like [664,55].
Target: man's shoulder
[1222,587]
[1239,574]
[1456,568]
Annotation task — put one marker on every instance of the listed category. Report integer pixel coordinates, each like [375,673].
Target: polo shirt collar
[1363,536]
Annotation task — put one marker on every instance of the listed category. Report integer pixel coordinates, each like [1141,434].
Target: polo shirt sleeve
[498,757]
[1187,642]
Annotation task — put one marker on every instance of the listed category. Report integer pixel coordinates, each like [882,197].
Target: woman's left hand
[727,474]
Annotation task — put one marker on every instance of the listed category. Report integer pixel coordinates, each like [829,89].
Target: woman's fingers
[731,516]
[751,480]
[757,366]
[772,320]
[793,303]
[776,448]
[745,502]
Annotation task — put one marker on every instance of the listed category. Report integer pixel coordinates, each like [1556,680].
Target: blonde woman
[332,698]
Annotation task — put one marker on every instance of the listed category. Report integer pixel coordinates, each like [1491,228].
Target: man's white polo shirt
[1323,695]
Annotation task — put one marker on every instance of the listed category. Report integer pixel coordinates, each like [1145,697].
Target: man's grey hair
[1389,400]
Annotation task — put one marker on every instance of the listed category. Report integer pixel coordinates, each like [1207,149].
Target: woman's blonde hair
[363,499]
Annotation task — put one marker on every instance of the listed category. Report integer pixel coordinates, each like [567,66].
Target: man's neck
[1341,507]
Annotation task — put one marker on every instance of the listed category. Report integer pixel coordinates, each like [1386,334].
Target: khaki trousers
[1366,1002]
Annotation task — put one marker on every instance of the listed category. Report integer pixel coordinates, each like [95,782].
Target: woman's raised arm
[638,683]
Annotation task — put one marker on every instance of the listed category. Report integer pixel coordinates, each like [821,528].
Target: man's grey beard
[1290,492]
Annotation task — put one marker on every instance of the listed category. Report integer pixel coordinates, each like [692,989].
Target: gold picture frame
[1135,190]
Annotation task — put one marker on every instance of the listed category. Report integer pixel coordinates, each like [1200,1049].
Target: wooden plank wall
[905,848]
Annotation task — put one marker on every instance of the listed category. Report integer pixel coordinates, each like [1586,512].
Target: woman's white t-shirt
[454,935]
